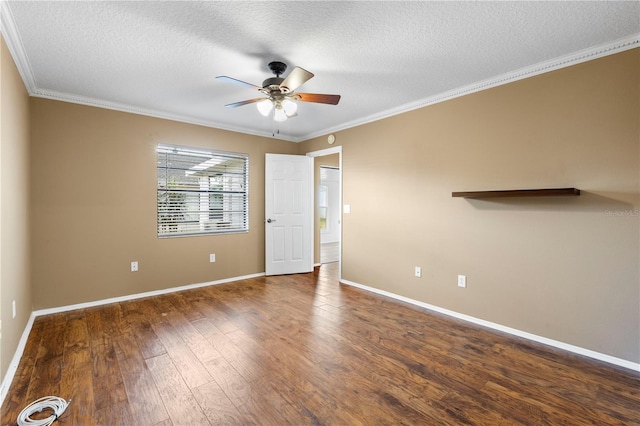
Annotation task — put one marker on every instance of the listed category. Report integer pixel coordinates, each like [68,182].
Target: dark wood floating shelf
[553,192]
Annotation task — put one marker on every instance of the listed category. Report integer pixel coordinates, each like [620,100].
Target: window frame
[209,193]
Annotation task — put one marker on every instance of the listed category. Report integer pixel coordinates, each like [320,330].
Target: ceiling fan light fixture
[281,98]
[279,114]
[265,106]
[290,107]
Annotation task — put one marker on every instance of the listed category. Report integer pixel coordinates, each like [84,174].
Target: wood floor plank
[526,408]
[261,409]
[309,400]
[183,300]
[189,366]
[139,314]
[320,382]
[116,414]
[47,372]
[176,395]
[103,324]
[193,339]
[234,385]
[217,406]
[108,384]
[402,386]
[305,350]
[76,382]
[266,393]
[23,377]
[145,402]
[464,409]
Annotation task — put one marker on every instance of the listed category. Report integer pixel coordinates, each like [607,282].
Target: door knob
[270,220]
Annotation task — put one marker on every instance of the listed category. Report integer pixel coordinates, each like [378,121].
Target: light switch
[462,280]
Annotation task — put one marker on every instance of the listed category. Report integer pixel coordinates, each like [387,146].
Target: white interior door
[288,214]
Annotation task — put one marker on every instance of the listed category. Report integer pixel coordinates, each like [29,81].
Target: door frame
[322,153]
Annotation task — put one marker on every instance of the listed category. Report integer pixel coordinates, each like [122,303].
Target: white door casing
[288,214]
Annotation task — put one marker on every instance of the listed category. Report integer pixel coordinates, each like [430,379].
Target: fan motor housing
[272,83]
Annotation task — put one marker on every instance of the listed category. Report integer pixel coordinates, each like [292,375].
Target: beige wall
[94,198]
[14,208]
[564,268]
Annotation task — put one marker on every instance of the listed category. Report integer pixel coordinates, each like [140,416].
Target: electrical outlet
[134,266]
[13,309]
[212,257]
[418,272]
[462,280]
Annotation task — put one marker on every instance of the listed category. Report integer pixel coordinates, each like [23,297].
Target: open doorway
[328,206]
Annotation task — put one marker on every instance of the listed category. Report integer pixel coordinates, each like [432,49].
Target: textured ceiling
[161,58]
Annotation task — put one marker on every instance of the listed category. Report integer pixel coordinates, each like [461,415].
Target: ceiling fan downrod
[273,83]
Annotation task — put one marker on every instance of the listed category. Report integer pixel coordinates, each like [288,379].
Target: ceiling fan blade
[238,104]
[318,98]
[238,82]
[295,79]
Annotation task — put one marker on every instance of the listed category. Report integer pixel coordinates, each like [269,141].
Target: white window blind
[201,192]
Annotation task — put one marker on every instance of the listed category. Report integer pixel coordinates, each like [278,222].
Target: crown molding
[16,48]
[12,38]
[575,58]
[83,100]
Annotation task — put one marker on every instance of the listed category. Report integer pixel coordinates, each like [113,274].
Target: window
[201,192]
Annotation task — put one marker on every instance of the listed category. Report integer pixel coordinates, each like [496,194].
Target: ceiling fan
[281,92]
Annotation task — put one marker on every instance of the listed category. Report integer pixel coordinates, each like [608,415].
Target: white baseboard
[540,339]
[141,295]
[15,361]
[13,366]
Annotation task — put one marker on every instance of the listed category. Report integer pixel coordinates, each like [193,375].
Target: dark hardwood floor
[303,349]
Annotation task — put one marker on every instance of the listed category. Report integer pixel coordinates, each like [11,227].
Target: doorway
[328,207]
[329,158]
